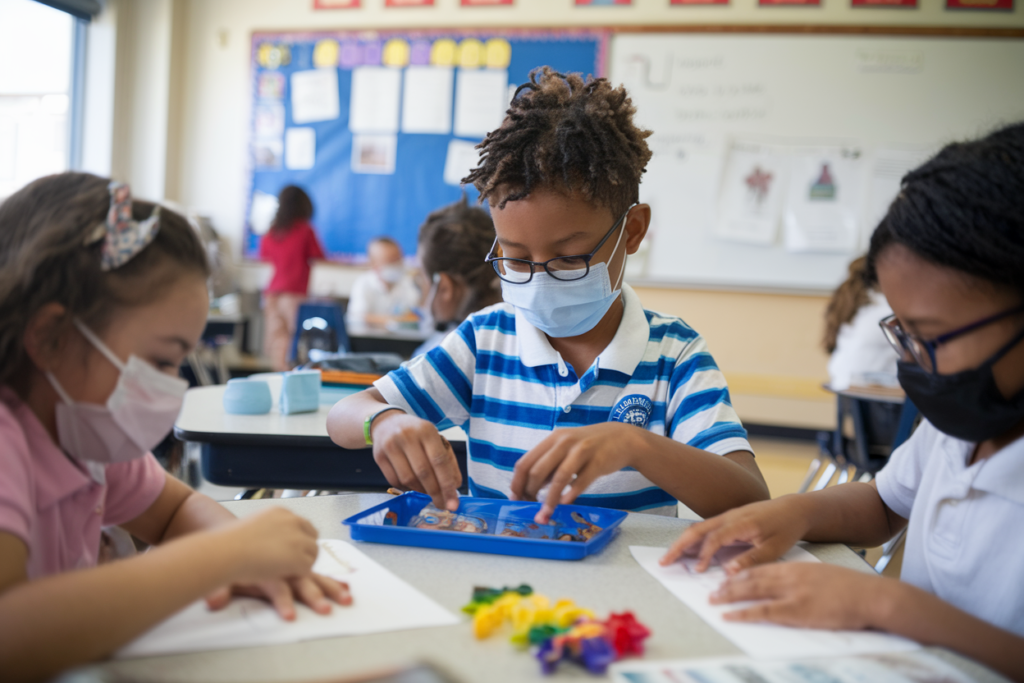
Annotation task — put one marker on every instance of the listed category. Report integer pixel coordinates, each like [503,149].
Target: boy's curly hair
[564,132]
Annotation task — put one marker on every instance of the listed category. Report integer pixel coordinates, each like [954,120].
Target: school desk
[281,451]
[366,339]
[610,580]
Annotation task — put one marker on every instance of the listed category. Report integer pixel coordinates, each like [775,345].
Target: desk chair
[325,316]
[878,429]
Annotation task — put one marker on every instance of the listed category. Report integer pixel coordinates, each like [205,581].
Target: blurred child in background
[452,245]
[290,245]
[386,295]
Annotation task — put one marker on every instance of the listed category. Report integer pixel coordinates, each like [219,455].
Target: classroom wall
[187,122]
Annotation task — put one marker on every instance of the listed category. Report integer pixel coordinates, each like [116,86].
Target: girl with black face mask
[949,257]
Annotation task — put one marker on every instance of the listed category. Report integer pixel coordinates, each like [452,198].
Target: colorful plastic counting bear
[562,630]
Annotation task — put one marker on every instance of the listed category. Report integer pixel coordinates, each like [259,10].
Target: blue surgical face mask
[566,308]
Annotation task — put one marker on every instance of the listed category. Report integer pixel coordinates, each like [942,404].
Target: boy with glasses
[570,390]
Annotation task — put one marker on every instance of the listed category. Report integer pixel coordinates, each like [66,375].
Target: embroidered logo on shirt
[634,409]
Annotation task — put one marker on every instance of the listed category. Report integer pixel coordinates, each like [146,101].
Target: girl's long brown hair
[44,259]
[846,301]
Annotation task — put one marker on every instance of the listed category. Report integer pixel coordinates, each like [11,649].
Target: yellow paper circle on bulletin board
[325,53]
[442,52]
[499,53]
[271,56]
[470,53]
[396,53]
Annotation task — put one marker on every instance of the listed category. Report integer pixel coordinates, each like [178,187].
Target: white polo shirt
[965,542]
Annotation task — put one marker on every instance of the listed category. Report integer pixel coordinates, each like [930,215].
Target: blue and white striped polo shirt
[498,378]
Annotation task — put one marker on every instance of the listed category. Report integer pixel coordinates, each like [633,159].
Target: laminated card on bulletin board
[380,127]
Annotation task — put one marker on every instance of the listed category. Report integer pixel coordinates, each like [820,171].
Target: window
[36,73]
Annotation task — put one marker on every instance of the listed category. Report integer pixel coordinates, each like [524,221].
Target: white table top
[611,580]
[202,417]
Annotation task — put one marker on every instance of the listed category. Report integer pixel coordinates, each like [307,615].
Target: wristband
[368,422]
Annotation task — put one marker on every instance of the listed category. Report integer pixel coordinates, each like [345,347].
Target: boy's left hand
[313,590]
[805,594]
[572,457]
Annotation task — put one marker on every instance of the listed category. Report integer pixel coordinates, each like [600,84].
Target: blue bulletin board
[378,127]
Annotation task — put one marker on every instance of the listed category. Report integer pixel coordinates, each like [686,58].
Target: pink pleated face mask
[136,417]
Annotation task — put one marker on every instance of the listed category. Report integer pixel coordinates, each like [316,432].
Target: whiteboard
[879,95]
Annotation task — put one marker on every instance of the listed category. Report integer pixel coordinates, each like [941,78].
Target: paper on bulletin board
[299,148]
[374,103]
[268,121]
[262,212]
[427,93]
[481,100]
[462,158]
[753,188]
[267,154]
[315,96]
[895,667]
[767,641]
[823,201]
[374,154]
[380,602]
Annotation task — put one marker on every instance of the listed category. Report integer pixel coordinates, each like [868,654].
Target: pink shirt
[52,504]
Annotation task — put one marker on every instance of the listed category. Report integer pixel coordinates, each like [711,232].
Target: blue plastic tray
[377,526]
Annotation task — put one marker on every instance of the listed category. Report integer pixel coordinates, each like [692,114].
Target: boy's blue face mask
[567,308]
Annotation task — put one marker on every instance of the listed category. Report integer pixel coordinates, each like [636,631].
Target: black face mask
[966,405]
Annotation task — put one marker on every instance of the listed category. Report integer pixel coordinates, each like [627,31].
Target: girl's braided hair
[963,209]
[567,133]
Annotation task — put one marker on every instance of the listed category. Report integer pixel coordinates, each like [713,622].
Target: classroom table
[366,339]
[611,580]
[281,451]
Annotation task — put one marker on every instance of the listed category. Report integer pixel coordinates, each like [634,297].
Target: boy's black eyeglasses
[520,271]
[923,351]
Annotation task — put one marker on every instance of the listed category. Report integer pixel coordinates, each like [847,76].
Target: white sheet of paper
[823,216]
[299,148]
[753,187]
[262,212]
[374,153]
[427,93]
[765,641]
[373,105]
[481,99]
[462,158]
[893,667]
[315,96]
[380,602]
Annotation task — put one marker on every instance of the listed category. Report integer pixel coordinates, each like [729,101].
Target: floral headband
[122,237]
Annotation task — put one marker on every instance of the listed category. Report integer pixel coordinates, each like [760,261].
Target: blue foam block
[245,396]
[300,392]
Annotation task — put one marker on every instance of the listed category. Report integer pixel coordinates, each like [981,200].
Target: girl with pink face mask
[101,298]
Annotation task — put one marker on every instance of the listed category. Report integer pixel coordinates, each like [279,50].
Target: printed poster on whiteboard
[823,202]
[753,188]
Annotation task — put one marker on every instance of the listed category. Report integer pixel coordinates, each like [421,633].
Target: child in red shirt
[290,245]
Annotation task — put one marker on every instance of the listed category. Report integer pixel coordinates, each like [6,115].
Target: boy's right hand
[412,454]
[771,526]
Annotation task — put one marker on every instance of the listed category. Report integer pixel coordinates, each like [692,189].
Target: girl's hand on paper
[772,527]
[805,594]
[313,590]
[274,551]
[412,454]
[572,458]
